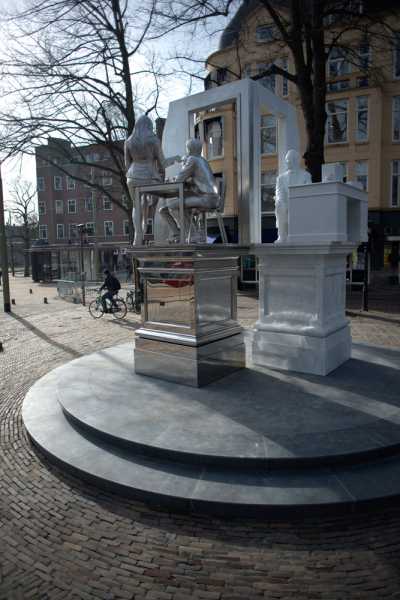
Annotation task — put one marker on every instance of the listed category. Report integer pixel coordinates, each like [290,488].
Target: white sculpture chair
[197,230]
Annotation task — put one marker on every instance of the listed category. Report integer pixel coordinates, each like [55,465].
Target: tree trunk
[27,256]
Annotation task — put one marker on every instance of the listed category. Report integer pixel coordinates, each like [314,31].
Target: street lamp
[3,253]
[82,231]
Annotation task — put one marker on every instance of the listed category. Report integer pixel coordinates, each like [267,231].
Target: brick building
[64,202]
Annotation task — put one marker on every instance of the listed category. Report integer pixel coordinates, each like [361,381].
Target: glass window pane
[395,183]
[268,182]
[337,121]
[396,118]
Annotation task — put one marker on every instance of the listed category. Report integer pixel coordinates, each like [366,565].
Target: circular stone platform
[256,441]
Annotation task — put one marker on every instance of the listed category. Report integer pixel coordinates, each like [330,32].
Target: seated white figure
[200,189]
[294,175]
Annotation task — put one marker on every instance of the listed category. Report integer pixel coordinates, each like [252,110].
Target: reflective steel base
[189,332]
[190,365]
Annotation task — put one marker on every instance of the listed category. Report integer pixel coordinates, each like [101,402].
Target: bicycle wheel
[96,309]
[129,302]
[119,309]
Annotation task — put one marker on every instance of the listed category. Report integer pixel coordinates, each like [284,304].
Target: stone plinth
[327,212]
[302,324]
[189,331]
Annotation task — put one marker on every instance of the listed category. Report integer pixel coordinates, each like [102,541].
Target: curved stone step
[194,488]
[255,418]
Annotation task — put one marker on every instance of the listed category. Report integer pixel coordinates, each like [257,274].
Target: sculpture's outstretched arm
[186,170]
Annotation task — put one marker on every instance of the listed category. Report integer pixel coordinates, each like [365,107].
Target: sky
[176,86]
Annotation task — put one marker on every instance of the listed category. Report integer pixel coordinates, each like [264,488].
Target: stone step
[253,419]
[209,489]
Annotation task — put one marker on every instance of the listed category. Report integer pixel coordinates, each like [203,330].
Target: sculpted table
[162,190]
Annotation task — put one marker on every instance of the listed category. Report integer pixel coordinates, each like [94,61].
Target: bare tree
[23,209]
[311,30]
[70,75]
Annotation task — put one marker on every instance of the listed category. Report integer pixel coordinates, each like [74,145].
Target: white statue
[294,175]
[200,191]
[145,164]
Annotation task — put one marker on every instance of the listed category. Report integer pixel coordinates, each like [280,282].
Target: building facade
[362,129]
[64,201]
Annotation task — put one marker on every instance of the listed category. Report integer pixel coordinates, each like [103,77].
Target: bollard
[12,300]
[30,291]
[1,347]
[45,300]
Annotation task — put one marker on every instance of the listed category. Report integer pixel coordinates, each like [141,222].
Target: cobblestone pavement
[61,538]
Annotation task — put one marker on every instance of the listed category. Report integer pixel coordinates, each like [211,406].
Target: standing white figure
[145,164]
[294,175]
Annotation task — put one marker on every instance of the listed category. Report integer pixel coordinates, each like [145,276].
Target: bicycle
[133,301]
[116,307]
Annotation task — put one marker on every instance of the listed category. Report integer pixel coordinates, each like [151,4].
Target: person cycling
[112,285]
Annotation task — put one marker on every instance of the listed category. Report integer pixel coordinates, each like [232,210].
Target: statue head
[292,160]
[194,146]
[143,128]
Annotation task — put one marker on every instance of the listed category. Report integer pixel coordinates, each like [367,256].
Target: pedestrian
[129,271]
[1,275]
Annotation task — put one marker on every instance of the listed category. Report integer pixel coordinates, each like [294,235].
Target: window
[337,121]
[107,204]
[71,207]
[60,231]
[90,177]
[268,81]
[247,71]
[73,231]
[338,86]
[70,183]
[41,208]
[343,164]
[40,184]
[362,173]
[362,82]
[396,56]
[89,204]
[125,227]
[214,138]
[394,200]
[43,232]
[90,229]
[364,55]
[268,182]
[266,33]
[362,118]
[268,134]
[149,227]
[396,119]
[59,207]
[337,63]
[108,228]
[285,82]
[221,75]
[106,179]
[58,182]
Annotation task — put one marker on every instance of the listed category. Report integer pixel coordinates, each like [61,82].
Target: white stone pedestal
[302,324]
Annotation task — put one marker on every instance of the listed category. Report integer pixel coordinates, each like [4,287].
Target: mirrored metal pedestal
[189,331]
